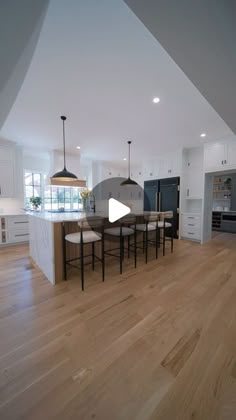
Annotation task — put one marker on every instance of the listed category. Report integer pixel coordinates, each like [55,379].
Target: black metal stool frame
[82,256]
[122,247]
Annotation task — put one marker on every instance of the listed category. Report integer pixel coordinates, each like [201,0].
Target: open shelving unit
[222,186]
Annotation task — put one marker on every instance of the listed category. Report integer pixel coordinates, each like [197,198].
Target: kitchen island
[47,231]
[46,239]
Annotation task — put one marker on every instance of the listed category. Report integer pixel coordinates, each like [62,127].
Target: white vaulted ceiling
[96,63]
[200,36]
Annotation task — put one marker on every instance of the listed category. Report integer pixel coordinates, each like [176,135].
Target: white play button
[117,210]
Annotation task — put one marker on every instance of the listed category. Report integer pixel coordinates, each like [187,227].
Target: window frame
[41,185]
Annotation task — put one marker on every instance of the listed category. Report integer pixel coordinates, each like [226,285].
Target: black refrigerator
[163,195]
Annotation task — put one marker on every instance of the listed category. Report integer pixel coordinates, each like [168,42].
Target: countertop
[224,211]
[70,216]
[63,216]
[17,213]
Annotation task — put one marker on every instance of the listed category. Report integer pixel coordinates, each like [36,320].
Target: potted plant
[85,195]
[36,202]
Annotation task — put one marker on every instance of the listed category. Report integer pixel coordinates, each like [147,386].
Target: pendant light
[128,182]
[64,175]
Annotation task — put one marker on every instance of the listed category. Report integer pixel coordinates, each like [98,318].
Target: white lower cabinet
[191,226]
[14,229]
[17,236]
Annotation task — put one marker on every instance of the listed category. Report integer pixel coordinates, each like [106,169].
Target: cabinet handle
[20,222]
[190,233]
[156,201]
[190,224]
[222,162]
[187,192]
[0,190]
[225,161]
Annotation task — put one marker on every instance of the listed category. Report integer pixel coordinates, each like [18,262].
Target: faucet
[92,203]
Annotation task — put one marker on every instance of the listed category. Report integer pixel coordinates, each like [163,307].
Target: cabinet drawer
[18,222]
[191,233]
[17,236]
[187,224]
[189,218]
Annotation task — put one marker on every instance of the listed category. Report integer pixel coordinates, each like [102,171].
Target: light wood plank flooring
[158,342]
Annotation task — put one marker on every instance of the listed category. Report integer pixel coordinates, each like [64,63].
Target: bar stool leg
[93,259]
[146,247]
[135,249]
[164,240]
[103,259]
[82,265]
[64,253]
[128,246]
[156,243]
[121,253]
[123,248]
[143,242]
[172,237]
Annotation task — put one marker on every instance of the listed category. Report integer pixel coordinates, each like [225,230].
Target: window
[53,198]
[67,198]
[33,186]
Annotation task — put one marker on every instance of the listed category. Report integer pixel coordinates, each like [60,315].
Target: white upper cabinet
[7,170]
[170,166]
[193,174]
[214,156]
[220,156]
[231,154]
[151,170]
[162,167]
[6,180]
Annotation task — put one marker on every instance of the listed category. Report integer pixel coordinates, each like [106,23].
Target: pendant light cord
[129,143]
[64,143]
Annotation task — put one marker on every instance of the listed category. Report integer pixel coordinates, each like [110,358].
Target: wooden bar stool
[91,230]
[123,231]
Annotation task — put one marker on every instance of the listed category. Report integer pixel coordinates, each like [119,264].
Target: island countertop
[65,216]
[73,216]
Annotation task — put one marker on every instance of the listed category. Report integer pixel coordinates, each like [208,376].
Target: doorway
[219,207]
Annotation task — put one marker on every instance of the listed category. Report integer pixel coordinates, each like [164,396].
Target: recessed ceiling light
[124,159]
[203,135]
[77,147]
[156,100]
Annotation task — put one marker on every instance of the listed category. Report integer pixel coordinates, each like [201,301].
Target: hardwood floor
[158,342]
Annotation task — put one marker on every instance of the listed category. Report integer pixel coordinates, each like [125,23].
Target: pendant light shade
[64,175]
[128,182]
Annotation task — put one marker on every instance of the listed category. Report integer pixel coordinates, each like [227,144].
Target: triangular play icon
[117,210]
